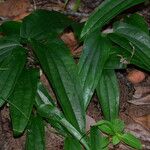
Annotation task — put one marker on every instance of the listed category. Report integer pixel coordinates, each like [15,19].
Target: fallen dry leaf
[89,122]
[15,9]
[70,40]
[144,121]
[136,76]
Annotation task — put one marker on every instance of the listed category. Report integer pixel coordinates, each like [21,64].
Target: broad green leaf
[48,111]
[95,138]
[98,142]
[35,134]
[77,28]
[41,23]
[138,21]
[22,99]
[11,28]
[10,69]
[108,94]
[131,140]
[61,70]
[125,52]
[95,53]
[118,125]
[139,40]
[6,46]
[72,144]
[43,94]
[114,61]
[105,126]
[44,98]
[105,12]
[115,140]
[56,118]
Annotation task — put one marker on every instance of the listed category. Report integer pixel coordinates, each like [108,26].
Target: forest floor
[134,99]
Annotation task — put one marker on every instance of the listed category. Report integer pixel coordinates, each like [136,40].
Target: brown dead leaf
[144,121]
[15,9]
[136,76]
[70,40]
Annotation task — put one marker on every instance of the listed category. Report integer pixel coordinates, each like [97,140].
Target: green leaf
[115,140]
[57,119]
[105,12]
[139,40]
[138,21]
[22,99]
[125,52]
[11,28]
[43,94]
[42,23]
[114,61]
[61,70]
[98,142]
[77,28]
[44,98]
[10,69]
[106,127]
[72,144]
[35,134]
[7,44]
[131,140]
[95,53]
[118,125]
[48,111]
[108,94]
[95,138]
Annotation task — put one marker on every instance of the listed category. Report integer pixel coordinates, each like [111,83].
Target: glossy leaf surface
[138,21]
[95,53]
[6,46]
[72,144]
[11,28]
[36,134]
[48,111]
[61,70]
[108,94]
[43,23]
[114,60]
[43,97]
[98,141]
[10,69]
[105,12]
[139,40]
[131,140]
[22,99]
[125,52]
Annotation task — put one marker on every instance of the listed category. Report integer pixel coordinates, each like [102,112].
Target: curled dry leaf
[136,76]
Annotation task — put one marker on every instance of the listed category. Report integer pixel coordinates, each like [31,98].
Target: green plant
[30,104]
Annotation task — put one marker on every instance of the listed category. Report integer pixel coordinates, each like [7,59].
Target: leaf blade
[61,71]
[22,99]
[95,53]
[36,134]
[105,12]
[11,68]
[108,94]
